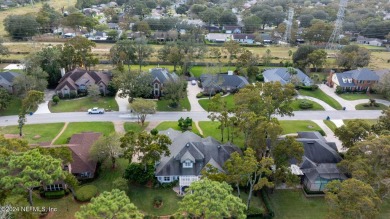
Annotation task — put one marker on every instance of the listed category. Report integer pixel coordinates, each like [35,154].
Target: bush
[199,95]
[322,132]
[157,201]
[72,94]
[54,194]
[136,172]
[121,183]
[311,87]
[314,87]
[259,77]
[56,99]
[305,105]
[154,131]
[85,193]
[339,90]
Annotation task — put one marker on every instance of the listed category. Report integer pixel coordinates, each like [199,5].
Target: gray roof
[223,80]
[189,146]
[283,76]
[363,74]
[319,151]
[9,76]
[162,75]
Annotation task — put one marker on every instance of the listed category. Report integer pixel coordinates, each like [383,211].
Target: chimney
[62,72]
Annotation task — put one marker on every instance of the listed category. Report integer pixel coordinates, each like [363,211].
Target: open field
[77,127]
[35,133]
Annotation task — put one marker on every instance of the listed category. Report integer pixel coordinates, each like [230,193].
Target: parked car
[193,82]
[95,110]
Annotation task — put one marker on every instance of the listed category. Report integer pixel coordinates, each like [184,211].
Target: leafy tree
[142,26]
[82,48]
[317,58]
[31,100]
[287,149]
[123,52]
[354,131]
[63,153]
[174,91]
[383,86]
[136,172]
[351,199]
[48,18]
[94,92]
[223,204]
[34,79]
[184,124]
[233,48]
[21,26]
[190,48]
[228,18]
[210,15]
[182,9]
[368,161]
[248,60]
[3,49]
[113,204]
[252,23]
[219,112]
[24,171]
[383,124]
[142,51]
[142,108]
[305,20]
[353,56]
[133,84]
[74,20]
[269,15]
[300,57]
[148,148]
[5,99]
[113,34]
[171,53]
[267,57]
[107,147]
[319,32]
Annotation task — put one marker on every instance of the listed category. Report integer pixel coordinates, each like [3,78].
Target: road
[174,116]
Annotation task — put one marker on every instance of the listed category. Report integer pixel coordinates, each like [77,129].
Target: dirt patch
[9,136]
[37,137]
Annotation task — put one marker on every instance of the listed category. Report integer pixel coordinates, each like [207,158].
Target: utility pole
[287,34]
[334,40]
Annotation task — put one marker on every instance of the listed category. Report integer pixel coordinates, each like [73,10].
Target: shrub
[259,77]
[254,211]
[85,193]
[136,172]
[322,132]
[185,124]
[305,105]
[121,183]
[54,194]
[199,95]
[56,99]
[72,94]
[157,201]
[339,90]
[314,87]
[154,131]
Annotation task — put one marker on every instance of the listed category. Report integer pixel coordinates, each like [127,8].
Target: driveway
[43,108]
[192,91]
[122,103]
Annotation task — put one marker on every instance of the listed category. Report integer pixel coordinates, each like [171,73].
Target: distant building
[232,29]
[244,38]
[219,37]
[369,41]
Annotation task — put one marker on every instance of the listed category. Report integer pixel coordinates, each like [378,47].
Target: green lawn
[184,105]
[197,71]
[256,201]
[13,107]
[362,107]
[83,104]
[330,124]
[294,126]
[292,204]
[295,105]
[210,128]
[385,210]
[78,127]
[169,124]
[66,207]
[319,94]
[135,127]
[204,103]
[35,133]
[359,96]
[369,121]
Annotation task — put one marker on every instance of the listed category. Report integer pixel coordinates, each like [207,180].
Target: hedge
[55,194]
[267,204]
[85,193]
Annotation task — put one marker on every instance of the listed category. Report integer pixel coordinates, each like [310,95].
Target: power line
[334,40]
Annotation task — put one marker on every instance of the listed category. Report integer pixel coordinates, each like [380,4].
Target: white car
[193,82]
[95,110]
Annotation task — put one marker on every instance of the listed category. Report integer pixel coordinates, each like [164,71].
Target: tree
[210,15]
[63,153]
[368,161]
[146,147]
[3,49]
[287,149]
[82,50]
[351,199]
[171,53]
[21,26]
[48,18]
[142,108]
[113,34]
[383,86]
[175,91]
[142,50]
[252,23]
[184,124]
[267,57]
[31,100]
[219,112]
[354,131]
[228,18]
[223,204]
[123,52]
[233,48]
[305,20]
[318,32]
[143,27]
[317,58]
[383,124]
[107,147]
[34,79]
[300,57]
[133,84]
[94,92]
[353,56]
[74,20]
[24,171]
[182,9]
[5,99]
[113,204]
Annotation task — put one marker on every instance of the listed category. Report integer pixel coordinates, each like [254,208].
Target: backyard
[83,104]
[77,127]
[184,105]
[319,94]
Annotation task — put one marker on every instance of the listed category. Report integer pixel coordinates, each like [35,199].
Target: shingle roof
[9,76]
[283,76]
[223,80]
[70,77]
[163,75]
[363,74]
[243,36]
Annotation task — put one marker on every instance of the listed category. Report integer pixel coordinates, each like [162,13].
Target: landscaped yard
[134,126]
[385,210]
[295,105]
[184,105]
[83,104]
[210,128]
[35,133]
[66,207]
[359,96]
[294,126]
[13,107]
[319,94]
[204,103]
[379,107]
[292,204]
[174,125]
[197,71]
[78,127]
[330,124]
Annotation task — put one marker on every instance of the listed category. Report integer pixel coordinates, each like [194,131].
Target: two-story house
[361,79]
[189,156]
[160,77]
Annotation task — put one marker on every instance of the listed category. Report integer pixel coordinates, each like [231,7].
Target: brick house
[361,79]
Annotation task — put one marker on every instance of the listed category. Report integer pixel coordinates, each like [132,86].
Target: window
[156,86]
[187,164]
[167,179]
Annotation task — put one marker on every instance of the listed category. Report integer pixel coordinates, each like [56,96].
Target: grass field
[294,126]
[184,105]
[83,104]
[174,125]
[319,94]
[358,96]
[66,206]
[35,133]
[379,107]
[135,127]
[330,125]
[13,107]
[78,127]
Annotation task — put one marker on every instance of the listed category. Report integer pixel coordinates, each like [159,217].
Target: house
[78,81]
[218,37]
[113,26]
[83,166]
[266,38]
[222,82]
[160,77]
[232,29]
[7,79]
[369,41]
[135,35]
[189,155]
[212,28]
[244,38]
[361,79]
[284,76]
[319,163]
